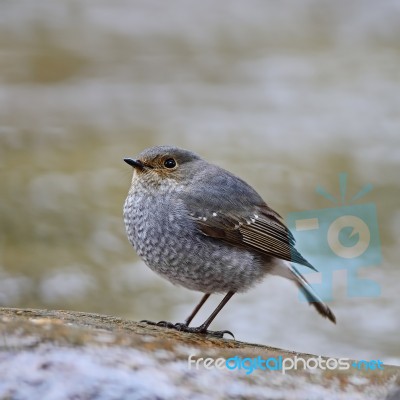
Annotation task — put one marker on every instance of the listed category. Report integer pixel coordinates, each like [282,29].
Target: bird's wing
[228,209]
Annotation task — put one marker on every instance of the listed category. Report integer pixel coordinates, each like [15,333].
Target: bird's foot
[180,326]
[203,331]
[164,324]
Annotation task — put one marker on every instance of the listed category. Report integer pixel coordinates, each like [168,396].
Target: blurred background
[285,94]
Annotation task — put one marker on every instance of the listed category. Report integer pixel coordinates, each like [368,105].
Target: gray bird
[201,227]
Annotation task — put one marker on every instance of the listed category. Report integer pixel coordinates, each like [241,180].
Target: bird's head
[164,166]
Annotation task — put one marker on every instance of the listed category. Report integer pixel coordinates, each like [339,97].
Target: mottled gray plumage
[201,227]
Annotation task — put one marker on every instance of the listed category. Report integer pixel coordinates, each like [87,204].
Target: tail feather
[290,272]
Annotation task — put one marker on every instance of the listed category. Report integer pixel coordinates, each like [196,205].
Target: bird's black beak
[134,163]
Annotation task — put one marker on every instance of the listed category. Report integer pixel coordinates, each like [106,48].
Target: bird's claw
[180,326]
[216,334]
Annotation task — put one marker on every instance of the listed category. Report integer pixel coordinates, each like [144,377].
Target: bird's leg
[188,320]
[203,327]
[181,325]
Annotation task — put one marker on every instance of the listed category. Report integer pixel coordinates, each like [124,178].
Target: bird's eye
[169,163]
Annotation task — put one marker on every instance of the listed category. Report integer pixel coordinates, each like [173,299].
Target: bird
[203,228]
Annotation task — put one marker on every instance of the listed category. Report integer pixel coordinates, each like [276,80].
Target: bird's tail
[288,271]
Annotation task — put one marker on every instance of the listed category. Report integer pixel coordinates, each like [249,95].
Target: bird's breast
[157,226]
